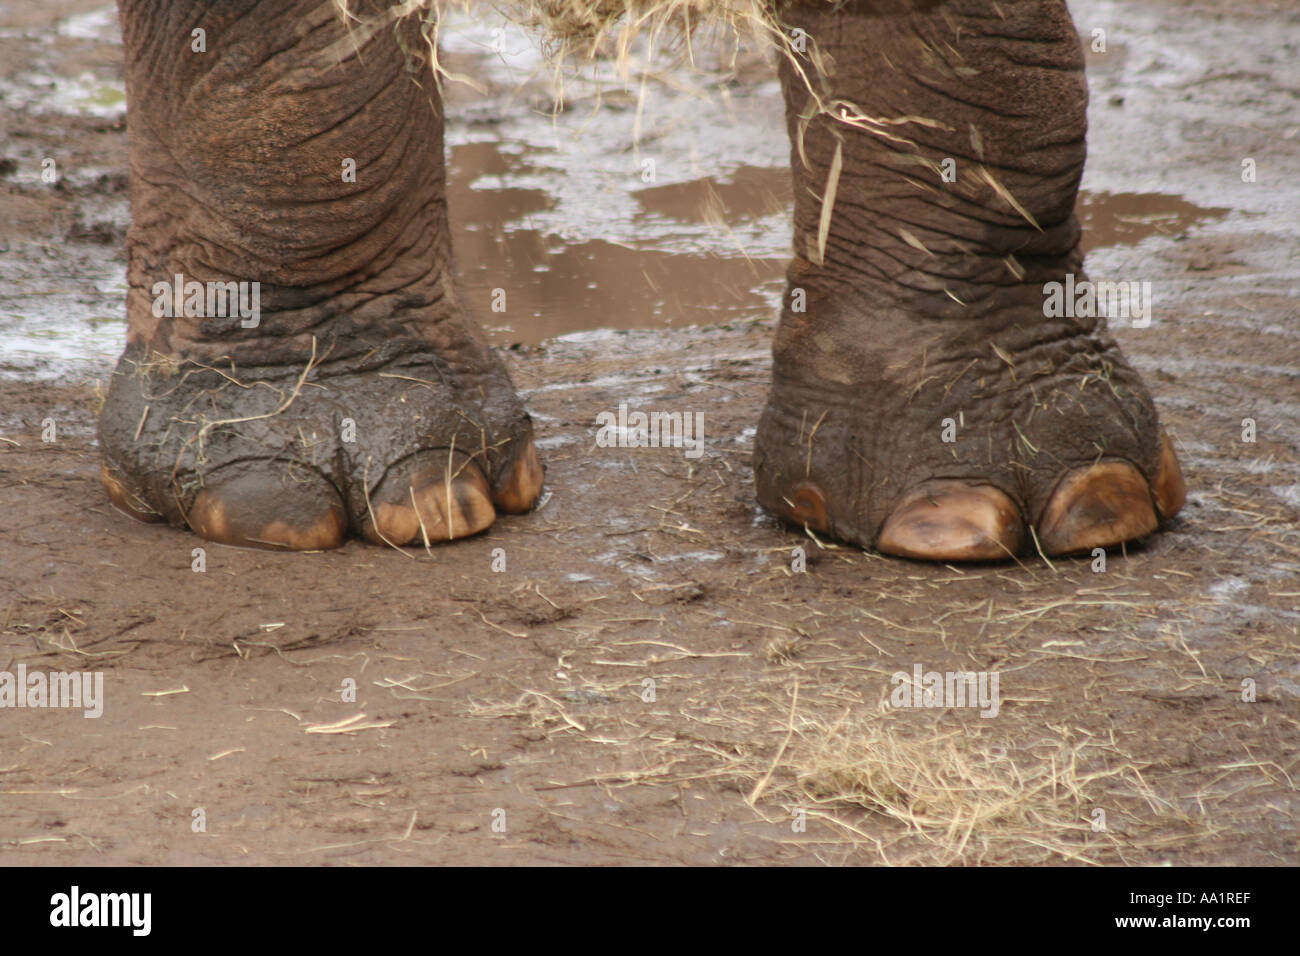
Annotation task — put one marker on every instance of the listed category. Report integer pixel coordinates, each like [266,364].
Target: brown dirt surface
[636,672]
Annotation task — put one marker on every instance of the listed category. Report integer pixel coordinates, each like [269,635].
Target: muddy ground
[636,673]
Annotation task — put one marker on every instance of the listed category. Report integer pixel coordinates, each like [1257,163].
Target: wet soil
[648,669]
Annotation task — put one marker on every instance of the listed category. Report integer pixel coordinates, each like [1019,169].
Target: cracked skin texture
[367,401]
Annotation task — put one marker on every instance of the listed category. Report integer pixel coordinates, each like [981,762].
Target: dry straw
[582,31]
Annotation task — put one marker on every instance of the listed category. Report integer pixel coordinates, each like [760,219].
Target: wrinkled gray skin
[236,173]
[927,304]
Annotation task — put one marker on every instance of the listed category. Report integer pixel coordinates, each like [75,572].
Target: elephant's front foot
[399,447]
[961,439]
[928,400]
[296,180]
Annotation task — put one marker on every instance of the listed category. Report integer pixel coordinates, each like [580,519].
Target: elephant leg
[924,399]
[298,365]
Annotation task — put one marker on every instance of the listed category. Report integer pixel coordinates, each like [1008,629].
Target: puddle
[553,286]
[751,192]
[553,290]
[591,218]
[1125,219]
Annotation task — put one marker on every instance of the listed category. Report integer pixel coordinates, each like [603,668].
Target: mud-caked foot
[1059,452]
[300,365]
[410,453]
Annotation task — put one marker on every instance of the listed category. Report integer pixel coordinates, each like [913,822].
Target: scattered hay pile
[966,803]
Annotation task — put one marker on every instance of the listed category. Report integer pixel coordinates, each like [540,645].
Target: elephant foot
[930,398]
[976,440]
[403,450]
[300,367]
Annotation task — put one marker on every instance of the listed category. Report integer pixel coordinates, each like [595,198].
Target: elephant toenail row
[1099,505]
